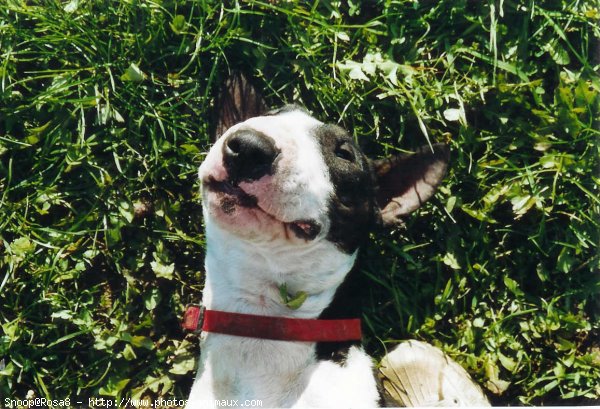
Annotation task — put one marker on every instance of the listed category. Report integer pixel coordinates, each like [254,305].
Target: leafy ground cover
[105,114]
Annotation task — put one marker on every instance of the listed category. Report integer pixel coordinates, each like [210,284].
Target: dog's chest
[282,374]
[246,368]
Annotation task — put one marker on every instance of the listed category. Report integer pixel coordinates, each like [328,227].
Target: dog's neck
[247,277]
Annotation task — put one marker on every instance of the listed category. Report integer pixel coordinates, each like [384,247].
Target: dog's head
[286,178]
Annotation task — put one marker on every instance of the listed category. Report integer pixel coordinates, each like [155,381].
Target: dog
[288,201]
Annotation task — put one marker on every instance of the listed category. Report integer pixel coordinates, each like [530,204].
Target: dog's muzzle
[306,229]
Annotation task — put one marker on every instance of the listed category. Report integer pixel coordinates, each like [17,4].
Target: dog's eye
[346,200]
[344,151]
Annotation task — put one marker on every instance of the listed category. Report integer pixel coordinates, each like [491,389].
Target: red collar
[277,328]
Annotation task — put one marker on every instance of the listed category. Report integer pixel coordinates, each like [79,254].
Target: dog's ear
[406,181]
[237,101]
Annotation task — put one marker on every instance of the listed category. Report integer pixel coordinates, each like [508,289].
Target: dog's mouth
[233,195]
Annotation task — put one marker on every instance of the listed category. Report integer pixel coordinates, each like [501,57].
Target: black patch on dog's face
[351,207]
[352,215]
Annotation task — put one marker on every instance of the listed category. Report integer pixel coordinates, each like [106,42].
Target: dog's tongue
[305,229]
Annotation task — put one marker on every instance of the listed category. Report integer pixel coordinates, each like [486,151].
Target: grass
[106,109]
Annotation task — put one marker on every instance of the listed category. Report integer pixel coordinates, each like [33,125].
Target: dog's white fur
[249,255]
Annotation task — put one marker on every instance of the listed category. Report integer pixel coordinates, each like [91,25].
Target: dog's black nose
[249,155]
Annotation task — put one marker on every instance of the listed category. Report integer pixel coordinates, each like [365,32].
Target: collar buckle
[193,318]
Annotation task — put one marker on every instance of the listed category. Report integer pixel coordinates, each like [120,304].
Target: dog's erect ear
[238,101]
[407,181]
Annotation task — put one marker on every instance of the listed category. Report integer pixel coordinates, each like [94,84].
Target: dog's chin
[239,213]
